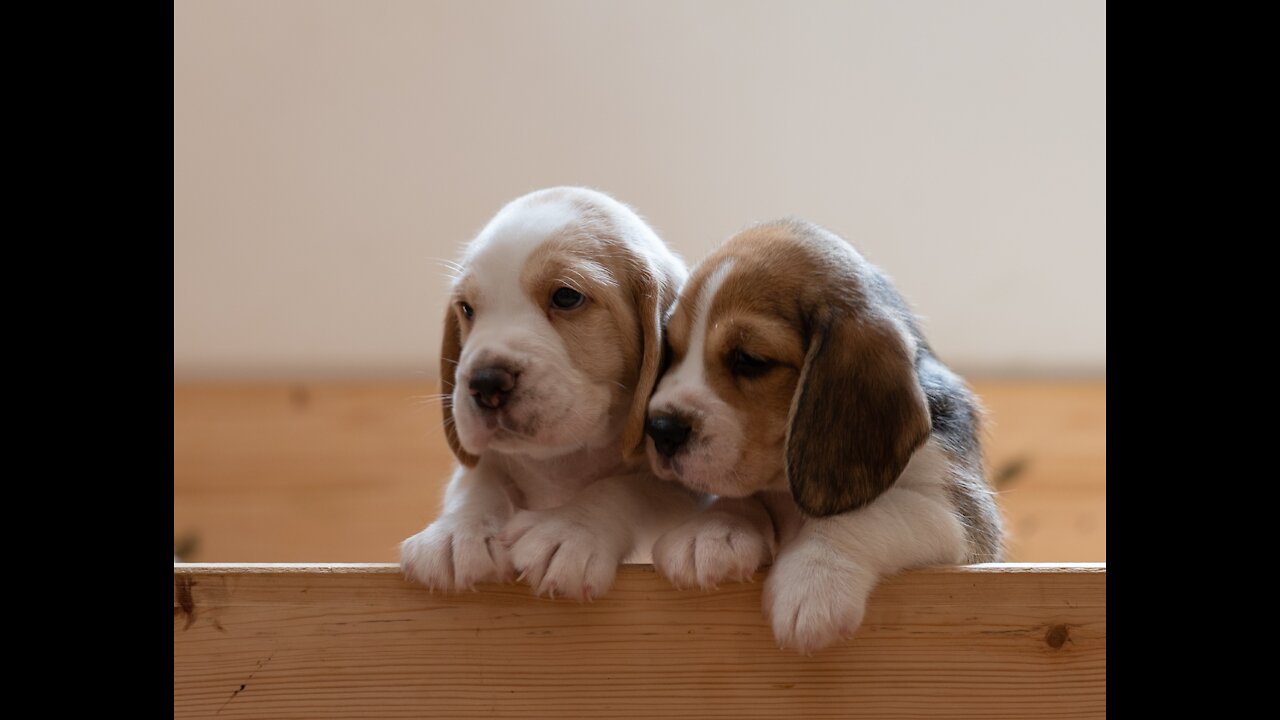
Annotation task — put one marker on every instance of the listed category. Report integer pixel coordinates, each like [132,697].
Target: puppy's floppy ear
[450,349]
[857,416]
[653,290]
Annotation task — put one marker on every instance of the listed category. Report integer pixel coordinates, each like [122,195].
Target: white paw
[711,548]
[454,554]
[814,598]
[561,553]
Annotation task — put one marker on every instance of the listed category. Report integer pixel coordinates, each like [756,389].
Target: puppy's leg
[817,591]
[728,541]
[574,550]
[461,548]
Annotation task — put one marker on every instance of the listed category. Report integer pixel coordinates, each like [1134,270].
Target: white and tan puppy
[802,392]
[551,349]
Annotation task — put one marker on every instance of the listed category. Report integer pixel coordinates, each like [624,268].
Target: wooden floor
[341,472]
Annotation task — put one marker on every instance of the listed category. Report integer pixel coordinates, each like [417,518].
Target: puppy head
[551,338]
[792,366]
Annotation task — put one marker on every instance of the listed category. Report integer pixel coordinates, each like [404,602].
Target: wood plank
[341,472]
[986,641]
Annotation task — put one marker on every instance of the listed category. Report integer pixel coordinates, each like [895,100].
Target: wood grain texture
[986,641]
[341,472]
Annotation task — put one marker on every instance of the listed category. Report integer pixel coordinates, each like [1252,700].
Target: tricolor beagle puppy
[551,350]
[801,392]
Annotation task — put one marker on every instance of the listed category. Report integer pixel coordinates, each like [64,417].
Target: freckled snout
[491,387]
[669,432]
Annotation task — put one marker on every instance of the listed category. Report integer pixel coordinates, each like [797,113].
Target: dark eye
[467,311]
[744,364]
[566,298]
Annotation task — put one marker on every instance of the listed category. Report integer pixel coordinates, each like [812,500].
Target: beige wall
[326,152]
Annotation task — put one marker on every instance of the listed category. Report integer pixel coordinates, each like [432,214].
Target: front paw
[454,554]
[711,548]
[562,553]
[813,598]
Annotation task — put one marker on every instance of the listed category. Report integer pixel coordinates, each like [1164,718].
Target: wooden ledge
[310,641]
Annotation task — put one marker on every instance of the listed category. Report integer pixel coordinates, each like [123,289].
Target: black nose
[669,433]
[491,386]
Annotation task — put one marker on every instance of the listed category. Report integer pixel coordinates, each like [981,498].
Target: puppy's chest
[543,491]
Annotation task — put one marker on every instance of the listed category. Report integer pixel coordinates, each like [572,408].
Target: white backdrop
[326,152]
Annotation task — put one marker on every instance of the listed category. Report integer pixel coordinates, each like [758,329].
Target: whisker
[444,398]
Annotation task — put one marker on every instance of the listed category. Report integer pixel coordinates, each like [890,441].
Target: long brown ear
[857,416]
[450,349]
[654,290]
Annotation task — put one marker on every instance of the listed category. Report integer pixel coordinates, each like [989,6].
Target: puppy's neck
[552,481]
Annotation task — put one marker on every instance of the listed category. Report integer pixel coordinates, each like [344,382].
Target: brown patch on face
[601,336]
[741,326]
[613,338]
[835,404]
